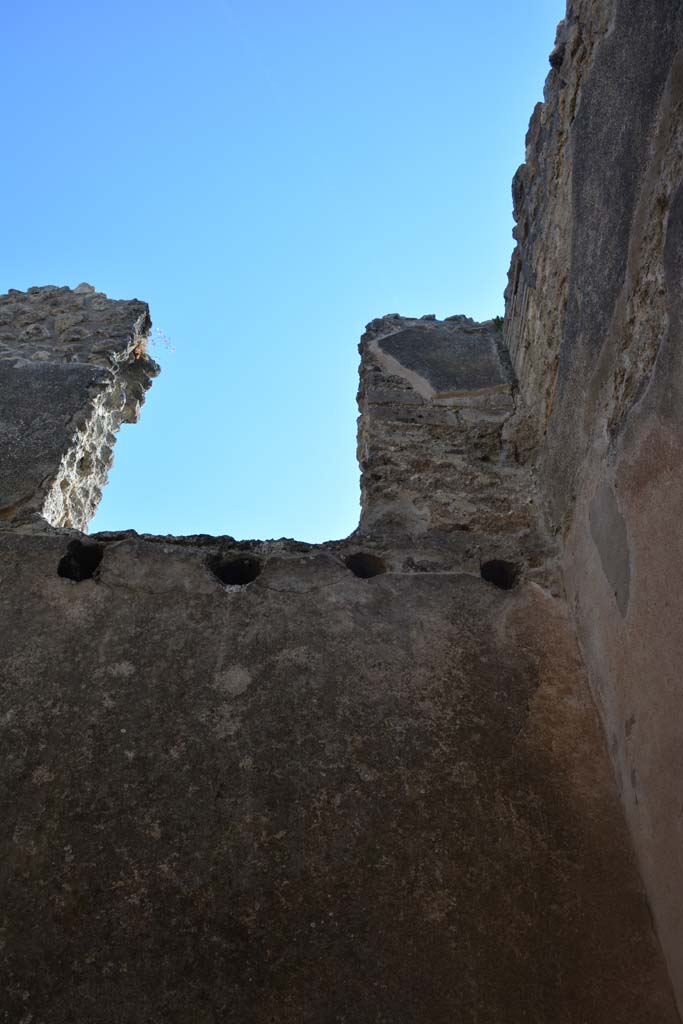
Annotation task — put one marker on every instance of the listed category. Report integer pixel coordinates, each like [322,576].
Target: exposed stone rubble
[73,367]
[439,473]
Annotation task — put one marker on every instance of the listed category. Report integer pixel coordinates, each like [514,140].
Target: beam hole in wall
[365,565]
[504,575]
[81,561]
[235,570]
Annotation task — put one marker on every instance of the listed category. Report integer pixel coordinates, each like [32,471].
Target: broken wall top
[73,366]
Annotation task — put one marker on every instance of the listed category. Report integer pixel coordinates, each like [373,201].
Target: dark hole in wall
[365,565]
[235,570]
[501,573]
[81,560]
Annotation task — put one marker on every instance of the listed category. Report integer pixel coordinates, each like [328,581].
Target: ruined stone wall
[73,367]
[438,470]
[366,780]
[594,323]
[269,781]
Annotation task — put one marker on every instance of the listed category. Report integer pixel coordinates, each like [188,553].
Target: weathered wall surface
[270,781]
[438,471]
[594,323]
[313,797]
[73,367]
[365,781]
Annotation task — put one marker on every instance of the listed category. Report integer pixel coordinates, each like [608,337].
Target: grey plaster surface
[450,359]
[608,530]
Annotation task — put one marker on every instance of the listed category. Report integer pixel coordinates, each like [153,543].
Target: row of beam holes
[245,569]
[82,561]
[237,572]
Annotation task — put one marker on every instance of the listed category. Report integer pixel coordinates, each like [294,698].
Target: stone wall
[439,472]
[594,323]
[366,780]
[73,367]
[360,781]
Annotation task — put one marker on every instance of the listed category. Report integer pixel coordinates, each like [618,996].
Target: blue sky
[269,177]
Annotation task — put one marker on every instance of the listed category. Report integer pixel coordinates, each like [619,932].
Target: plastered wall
[594,321]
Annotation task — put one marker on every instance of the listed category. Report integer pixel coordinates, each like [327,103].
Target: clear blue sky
[269,177]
